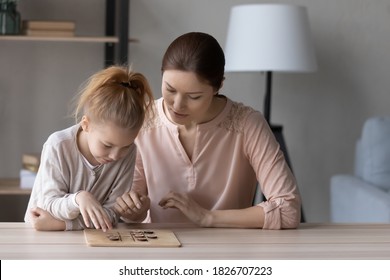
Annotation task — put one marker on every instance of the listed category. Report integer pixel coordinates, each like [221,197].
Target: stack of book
[30,166]
[49,28]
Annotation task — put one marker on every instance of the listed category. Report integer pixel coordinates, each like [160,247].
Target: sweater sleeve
[282,208]
[54,187]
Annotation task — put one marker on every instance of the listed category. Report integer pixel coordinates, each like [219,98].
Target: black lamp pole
[276,129]
[267,97]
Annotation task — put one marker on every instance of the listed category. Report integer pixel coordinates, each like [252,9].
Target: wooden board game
[131,238]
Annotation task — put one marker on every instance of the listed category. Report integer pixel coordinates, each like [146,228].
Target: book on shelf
[49,33]
[49,28]
[49,25]
[31,161]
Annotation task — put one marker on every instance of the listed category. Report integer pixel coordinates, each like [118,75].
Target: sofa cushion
[375,144]
[359,160]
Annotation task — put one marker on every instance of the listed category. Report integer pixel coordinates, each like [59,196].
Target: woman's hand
[251,217]
[44,221]
[92,211]
[188,207]
[132,206]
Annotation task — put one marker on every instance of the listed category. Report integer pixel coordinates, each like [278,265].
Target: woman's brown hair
[199,53]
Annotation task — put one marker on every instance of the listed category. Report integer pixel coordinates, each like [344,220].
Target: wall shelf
[116,37]
[82,39]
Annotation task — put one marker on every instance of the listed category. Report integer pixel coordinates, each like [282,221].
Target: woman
[200,157]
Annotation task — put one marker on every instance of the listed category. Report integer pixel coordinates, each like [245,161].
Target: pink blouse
[232,153]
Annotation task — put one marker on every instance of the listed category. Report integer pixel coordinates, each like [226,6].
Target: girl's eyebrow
[190,92]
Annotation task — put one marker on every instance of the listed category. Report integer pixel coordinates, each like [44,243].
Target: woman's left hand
[188,207]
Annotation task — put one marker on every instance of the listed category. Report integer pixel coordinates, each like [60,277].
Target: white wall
[322,112]
[38,79]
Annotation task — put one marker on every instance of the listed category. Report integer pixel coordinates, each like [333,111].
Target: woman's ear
[220,86]
[223,80]
[85,123]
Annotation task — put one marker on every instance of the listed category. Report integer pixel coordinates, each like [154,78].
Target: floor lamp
[269,38]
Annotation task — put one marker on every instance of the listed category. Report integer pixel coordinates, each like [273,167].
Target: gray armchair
[365,195]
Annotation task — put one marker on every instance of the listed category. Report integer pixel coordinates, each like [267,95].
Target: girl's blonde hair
[115,94]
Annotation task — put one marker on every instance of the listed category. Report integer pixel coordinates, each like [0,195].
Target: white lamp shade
[269,37]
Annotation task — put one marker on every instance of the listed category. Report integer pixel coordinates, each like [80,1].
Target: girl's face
[187,99]
[103,143]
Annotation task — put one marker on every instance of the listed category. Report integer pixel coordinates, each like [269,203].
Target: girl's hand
[132,206]
[44,221]
[188,207]
[92,211]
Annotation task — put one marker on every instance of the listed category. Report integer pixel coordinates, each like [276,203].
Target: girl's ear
[85,123]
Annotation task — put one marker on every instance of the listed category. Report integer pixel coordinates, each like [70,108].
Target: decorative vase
[10,21]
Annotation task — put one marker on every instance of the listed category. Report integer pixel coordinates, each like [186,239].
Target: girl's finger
[86,219]
[94,220]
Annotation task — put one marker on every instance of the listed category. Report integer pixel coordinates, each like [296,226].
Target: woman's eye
[194,97]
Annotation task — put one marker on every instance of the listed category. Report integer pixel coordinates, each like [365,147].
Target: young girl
[85,167]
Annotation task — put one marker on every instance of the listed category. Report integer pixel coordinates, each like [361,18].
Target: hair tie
[126,84]
[129,85]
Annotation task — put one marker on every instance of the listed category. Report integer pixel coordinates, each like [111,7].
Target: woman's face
[187,99]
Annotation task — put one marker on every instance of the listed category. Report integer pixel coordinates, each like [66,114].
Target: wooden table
[310,241]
